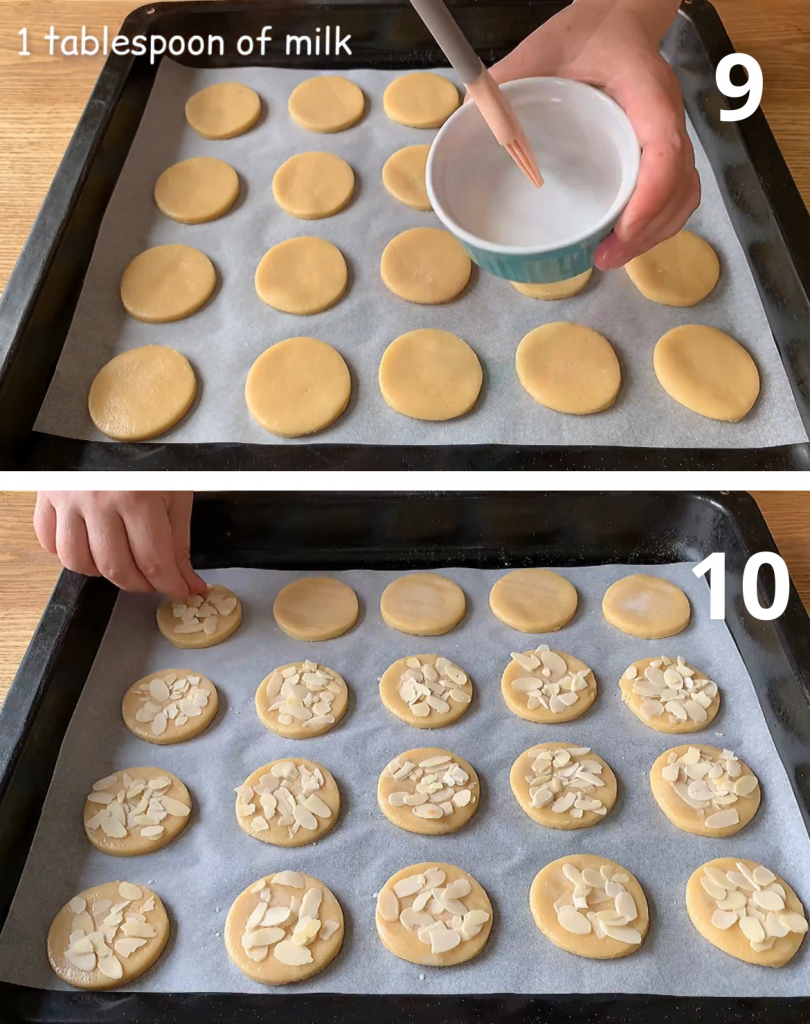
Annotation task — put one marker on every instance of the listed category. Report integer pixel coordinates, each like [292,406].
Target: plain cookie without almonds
[223,110]
[423,604]
[302,275]
[170,706]
[311,186]
[533,600]
[426,690]
[426,266]
[681,271]
[429,374]
[200,621]
[301,700]
[197,191]
[136,811]
[563,786]
[556,289]
[648,607]
[547,687]
[404,174]
[326,104]
[316,608]
[167,283]
[428,790]
[268,808]
[420,100]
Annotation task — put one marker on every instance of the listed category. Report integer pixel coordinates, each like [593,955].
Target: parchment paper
[223,340]
[203,871]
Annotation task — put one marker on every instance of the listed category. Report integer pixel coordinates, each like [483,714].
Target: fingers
[72,544]
[151,542]
[179,511]
[109,543]
[45,522]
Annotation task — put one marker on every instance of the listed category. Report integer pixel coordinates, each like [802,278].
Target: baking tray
[405,531]
[766,210]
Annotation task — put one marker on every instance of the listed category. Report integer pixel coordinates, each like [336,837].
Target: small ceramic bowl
[589,157]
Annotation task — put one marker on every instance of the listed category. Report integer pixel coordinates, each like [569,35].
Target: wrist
[653,16]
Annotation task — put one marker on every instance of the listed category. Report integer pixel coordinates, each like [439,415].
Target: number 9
[752,88]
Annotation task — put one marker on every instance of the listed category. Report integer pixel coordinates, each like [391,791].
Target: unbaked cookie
[198,190]
[223,110]
[425,265]
[302,275]
[678,272]
[429,374]
[420,100]
[167,283]
[170,706]
[563,786]
[429,791]
[108,935]
[267,807]
[646,606]
[301,700]
[568,368]
[747,911]
[311,186]
[548,687]
[557,289]
[669,695]
[533,600]
[200,621]
[426,691]
[316,608]
[590,906]
[404,175]
[326,104]
[433,914]
[136,811]
[423,604]
[284,928]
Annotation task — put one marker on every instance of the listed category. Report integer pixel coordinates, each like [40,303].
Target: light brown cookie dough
[197,191]
[705,790]
[428,790]
[426,691]
[316,608]
[590,906]
[297,387]
[548,687]
[423,604]
[429,374]
[557,289]
[681,271]
[563,786]
[404,174]
[141,393]
[311,186]
[747,911]
[533,600]
[136,811]
[223,110]
[200,621]
[646,606]
[107,936]
[425,265]
[670,695]
[326,104]
[167,283]
[284,928]
[267,807]
[170,706]
[301,700]
[433,914]
[303,276]
[420,100]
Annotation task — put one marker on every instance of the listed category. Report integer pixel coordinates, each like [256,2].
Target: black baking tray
[766,210]
[330,532]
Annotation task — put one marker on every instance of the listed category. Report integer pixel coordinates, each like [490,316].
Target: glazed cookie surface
[426,690]
[669,695]
[563,786]
[316,608]
[267,807]
[426,266]
[136,811]
[429,374]
[423,604]
[533,600]
[681,271]
[200,621]
[648,607]
[555,290]
[311,186]
[223,110]
[420,99]
[428,790]
[303,275]
[548,686]
[170,706]
[301,700]
[403,176]
[326,104]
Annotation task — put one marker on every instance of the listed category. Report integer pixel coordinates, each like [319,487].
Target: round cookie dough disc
[569,368]
[425,265]
[103,824]
[316,608]
[564,669]
[423,604]
[407,944]
[326,104]
[460,792]
[223,110]
[551,883]
[533,600]
[707,371]
[86,912]
[554,808]
[197,191]
[297,387]
[557,289]
[420,100]
[167,283]
[260,811]
[404,174]
[411,705]
[644,680]
[141,393]
[302,275]
[648,607]
[219,612]
[678,272]
[311,186]
[282,683]
[147,704]
[429,374]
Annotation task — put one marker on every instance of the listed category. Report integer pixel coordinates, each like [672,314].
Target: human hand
[139,540]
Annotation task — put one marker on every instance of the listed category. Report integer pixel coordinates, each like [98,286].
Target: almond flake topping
[303,693]
[438,914]
[435,788]
[93,944]
[598,903]
[131,806]
[287,797]
[546,681]
[170,701]
[754,901]
[567,780]
[710,784]
[284,921]
[428,688]
[669,686]
[201,615]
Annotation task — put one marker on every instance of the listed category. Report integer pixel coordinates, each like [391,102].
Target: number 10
[716,564]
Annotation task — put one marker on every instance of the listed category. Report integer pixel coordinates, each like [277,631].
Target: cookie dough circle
[404,177]
[681,271]
[302,275]
[223,110]
[461,791]
[533,600]
[642,682]
[446,706]
[648,607]
[702,906]
[287,889]
[429,374]
[407,944]
[420,100]
[298,386]
[259,811]
[316,608]
[167,283]
[550,884]
[548,762]
[326,104]
[107,826]
[86,912]
[198,190]
[556,289]
[325,687]
[681,766]
[311,186]
[423,604]
[219,604]
[564,669]
[707,371]
[569,368]
[425,265]
[141,393]
[147,703]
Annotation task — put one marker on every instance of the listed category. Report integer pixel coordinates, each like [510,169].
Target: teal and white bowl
[589,157]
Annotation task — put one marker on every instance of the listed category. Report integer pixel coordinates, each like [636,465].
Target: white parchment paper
[223,340]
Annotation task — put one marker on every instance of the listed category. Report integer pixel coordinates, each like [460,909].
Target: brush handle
[454,45]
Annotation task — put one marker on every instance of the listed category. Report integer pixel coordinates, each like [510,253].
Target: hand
[139,540]
[613,44]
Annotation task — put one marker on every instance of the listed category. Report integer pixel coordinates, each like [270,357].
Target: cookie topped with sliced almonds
[428,790]
[548,686]
[301,700]
[290,802]
[563,786]
[170,706]
[426,690]
[200,620]
[136,811]
[670,695]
